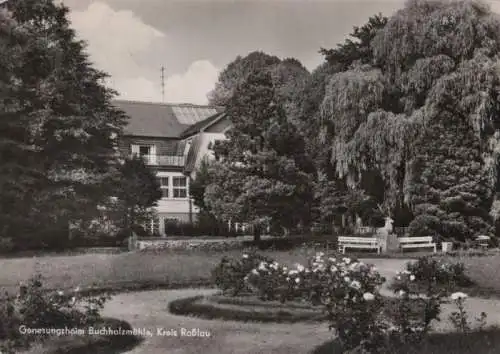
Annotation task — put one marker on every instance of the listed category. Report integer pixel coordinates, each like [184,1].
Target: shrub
[443,273]
[424,225]
[6,245]
[349,291]
[269,281]
[229,275]
[35,307]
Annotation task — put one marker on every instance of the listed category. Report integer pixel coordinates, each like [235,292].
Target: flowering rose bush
[460,318]
[349,290]
[412,312]
[443,273]
[229,275]
[35,307]
[271,281]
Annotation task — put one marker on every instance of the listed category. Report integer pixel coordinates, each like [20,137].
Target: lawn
[138,270]
[133,269]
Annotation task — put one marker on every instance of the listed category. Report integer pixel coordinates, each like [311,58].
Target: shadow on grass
[478,342]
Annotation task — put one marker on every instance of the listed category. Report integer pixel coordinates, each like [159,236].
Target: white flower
[347,279]
[60,293]
[412,277]
[331,259]
[398,277]
[245,255]
[401,292]
[368,296]
[300,267]
[354,265]
[73,301]
[254,271]
[287,278]
[405,272]
[458,295]
[356,284]
[285,269]
[293,272]
[346,260]
[262,266]
[297,280]
[333,269]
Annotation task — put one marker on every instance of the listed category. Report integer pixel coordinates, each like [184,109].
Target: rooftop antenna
[162,83]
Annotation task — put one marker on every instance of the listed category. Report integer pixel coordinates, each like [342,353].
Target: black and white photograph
[249,176]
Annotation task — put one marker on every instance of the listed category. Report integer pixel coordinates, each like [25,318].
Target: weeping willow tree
[423,114]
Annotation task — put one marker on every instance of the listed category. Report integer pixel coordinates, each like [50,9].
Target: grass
[483,342]
[147,270]
[132,270]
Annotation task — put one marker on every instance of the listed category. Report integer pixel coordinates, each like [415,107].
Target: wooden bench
[358,242]
[417,242]
[483,241]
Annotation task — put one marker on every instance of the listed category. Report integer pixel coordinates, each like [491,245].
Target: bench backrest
[360,240]
[424,239]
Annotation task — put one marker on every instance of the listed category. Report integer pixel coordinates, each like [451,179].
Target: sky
[195,39]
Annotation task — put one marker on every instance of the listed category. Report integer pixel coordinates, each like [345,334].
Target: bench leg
[435,249]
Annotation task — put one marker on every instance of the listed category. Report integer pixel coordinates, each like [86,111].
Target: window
[163,182]
[147,152]
[179,187]
[144,150]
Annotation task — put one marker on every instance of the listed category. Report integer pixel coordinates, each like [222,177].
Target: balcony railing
[164,160]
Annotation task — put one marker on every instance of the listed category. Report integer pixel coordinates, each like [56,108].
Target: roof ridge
[170,104]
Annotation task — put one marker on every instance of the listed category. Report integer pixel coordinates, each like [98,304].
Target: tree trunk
[256,234]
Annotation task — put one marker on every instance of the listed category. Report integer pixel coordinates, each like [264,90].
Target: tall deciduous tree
[423,113]
[57,141]
[237,72]
[262,175]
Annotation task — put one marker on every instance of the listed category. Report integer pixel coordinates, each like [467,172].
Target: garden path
[148,309]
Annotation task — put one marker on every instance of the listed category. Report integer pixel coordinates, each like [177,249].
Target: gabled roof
[161,119]
[192,154]
[202,125]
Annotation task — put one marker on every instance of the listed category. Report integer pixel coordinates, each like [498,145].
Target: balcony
[164,160]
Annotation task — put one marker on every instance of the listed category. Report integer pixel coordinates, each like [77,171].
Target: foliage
[444,274]
[357,49]
[349,292]
[460,318]
[135,192]
[262,175]
[229,275]
[206,225]
[421,109]
[236,73]
[270,281]
[36,308]
[58,128]
[424,225]
[199,184]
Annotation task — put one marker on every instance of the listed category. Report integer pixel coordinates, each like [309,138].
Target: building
[173,139]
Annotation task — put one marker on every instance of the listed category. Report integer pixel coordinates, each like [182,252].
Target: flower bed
[349,293]
[249,309]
